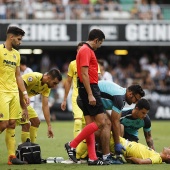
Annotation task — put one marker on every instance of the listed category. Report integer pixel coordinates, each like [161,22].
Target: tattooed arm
[149,139]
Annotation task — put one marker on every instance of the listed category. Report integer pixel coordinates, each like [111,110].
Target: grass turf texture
[63,133]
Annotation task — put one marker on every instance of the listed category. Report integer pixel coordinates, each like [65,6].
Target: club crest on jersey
[14,56]
[30,79]
[1,115]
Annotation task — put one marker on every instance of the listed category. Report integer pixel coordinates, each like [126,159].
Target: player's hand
[24,115]
[26,99]
[50,132]
[63,105]
[119,148]
[92,100]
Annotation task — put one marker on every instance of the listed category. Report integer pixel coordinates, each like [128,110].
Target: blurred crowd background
[149,67]
[85,9]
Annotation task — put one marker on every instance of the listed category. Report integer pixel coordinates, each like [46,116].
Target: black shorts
[83,101]
[130,137]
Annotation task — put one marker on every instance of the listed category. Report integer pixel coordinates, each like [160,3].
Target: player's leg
[79,123]
[25,134]
[35,122]
[4,111]
[14,114]
[28,130]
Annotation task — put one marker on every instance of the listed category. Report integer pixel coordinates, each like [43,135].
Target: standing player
[38,83]
[87,69]
[79,121]
[10,81]
[133,119]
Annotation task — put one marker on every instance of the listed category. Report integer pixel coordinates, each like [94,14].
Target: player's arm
[138,160]
[21,85]
[46,112]
[86,82]
[67,87]
[149,139]
[115,119]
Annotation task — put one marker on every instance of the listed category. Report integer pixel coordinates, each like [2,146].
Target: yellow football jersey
[72,72]
[9,60]
[138,150]
[34,86]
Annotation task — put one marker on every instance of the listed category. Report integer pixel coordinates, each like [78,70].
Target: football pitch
[63,133]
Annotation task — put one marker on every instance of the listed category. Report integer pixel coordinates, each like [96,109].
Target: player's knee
[78,123]
[3,126]
[11,124]
[35,122]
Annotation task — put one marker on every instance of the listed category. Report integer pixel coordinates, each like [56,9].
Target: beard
[16,47]
[128,102]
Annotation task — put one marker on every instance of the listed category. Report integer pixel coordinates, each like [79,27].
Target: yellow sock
[83,122]
[77,127]
[25,136]
[81,149]
[84,155]
[33,134]
[10,141]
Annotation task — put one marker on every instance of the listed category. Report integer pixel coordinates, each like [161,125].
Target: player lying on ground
[138,153]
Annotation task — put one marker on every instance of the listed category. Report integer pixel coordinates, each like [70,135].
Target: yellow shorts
[9,106]
[31,114]
[77,112]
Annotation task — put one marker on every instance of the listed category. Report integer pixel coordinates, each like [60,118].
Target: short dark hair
[96,33]
[15,30]
[143,104]
[55,73]
[23,60]
[136,89]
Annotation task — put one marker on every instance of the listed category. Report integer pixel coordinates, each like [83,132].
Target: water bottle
[58,159]
[55,159]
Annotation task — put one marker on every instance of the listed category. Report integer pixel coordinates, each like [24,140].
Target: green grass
[63,133]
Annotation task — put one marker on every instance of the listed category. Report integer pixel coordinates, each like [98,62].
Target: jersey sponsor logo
[30,79]
[9,63]
[1,115]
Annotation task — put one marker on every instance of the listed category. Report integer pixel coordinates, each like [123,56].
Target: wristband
[25,92]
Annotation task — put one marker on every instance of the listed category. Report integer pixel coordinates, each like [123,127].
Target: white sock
[105,156]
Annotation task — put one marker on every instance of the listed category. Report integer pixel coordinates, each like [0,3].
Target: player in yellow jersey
[10,81]
[79,121]
[140,154]
[38,83]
